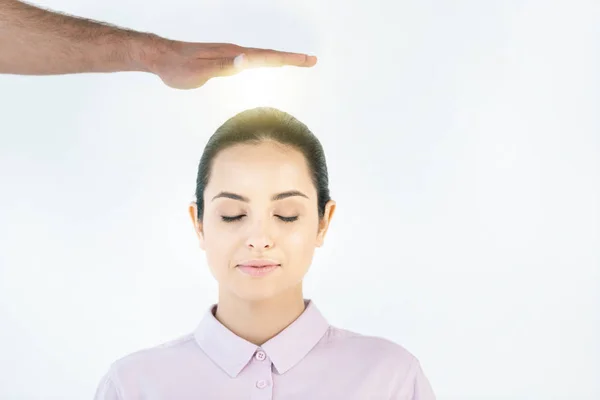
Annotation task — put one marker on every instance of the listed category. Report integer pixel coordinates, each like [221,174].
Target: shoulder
[164,354]
[371,349]
[376,359]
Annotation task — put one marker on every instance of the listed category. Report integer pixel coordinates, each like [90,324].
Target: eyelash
[239,217]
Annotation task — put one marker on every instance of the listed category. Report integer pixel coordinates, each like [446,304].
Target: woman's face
[260,204]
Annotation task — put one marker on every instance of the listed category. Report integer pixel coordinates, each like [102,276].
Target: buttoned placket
[263,382]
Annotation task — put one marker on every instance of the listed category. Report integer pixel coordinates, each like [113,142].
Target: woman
[262,207]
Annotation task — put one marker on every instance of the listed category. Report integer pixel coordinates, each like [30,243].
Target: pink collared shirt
[309,360]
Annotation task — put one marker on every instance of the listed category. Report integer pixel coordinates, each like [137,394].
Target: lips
[259,263]
[258,268]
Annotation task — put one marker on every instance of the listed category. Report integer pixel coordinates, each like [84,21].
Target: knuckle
[224,63]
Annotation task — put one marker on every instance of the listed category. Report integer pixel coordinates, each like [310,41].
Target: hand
[188,65]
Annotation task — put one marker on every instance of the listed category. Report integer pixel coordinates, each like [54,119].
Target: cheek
[219,247]
[301,241]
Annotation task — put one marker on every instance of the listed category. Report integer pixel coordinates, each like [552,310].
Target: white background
[462,139]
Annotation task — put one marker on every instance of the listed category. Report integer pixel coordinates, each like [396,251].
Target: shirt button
[261,384]
[260,356]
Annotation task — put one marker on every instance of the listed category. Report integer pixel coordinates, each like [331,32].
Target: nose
[259,237]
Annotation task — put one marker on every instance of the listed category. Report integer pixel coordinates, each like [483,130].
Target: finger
[260,56]
[227,66]
[274,58]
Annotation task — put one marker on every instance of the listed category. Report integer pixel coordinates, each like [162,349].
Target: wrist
[147,50]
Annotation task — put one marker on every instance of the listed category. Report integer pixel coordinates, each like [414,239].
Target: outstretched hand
[188,65]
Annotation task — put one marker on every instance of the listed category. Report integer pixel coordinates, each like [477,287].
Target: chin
[256,292]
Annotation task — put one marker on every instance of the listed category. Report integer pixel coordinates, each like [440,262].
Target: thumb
[228,66]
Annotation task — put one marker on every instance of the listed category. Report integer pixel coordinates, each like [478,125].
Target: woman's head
[261,194]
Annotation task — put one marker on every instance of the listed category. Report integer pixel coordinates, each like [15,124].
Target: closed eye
[287,219]
[225,218]
[234,218]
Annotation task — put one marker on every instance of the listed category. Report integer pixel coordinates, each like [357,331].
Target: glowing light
[274,87]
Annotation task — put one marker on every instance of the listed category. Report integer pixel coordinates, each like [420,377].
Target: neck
[260,320]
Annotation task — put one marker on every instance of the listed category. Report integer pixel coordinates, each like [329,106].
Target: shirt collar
[232,353]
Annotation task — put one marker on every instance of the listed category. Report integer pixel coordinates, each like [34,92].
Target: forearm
[34,41]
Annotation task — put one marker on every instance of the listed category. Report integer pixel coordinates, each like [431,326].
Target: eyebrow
[278,196]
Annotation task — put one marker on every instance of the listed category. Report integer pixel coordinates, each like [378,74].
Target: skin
[35,41]
[258,308]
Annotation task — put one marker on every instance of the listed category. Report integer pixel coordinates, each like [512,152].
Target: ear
[325,221]
[193,210]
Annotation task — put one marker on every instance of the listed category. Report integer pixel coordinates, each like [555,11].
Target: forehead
[268,167]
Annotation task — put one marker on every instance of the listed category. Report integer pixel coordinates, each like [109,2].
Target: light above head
[257,87]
